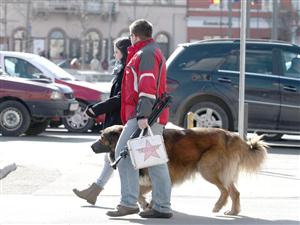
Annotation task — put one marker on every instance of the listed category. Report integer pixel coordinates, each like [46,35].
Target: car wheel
[271,136]
[79,122]
[14,118]
[36,128]
[208,114]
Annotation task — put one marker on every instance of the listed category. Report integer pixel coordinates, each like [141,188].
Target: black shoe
[152,213]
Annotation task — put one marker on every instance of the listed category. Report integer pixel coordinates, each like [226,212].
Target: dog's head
[108,139]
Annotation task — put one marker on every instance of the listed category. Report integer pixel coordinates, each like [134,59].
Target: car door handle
[224,80]
[290,88]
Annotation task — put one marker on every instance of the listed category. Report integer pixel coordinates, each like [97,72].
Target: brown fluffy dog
[216,154]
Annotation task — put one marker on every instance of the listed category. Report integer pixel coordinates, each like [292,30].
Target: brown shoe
[90,194]
[152,213]
[122,211]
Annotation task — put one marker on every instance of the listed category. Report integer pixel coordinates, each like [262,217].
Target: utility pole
[28,27]
[241,118]
[5,23]
[229,6]
[275,20]
[110,9]
[248,21]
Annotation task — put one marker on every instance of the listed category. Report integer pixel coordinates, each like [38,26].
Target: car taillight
[172,85]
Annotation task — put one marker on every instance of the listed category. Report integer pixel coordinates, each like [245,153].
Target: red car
[27,106]
[32,66]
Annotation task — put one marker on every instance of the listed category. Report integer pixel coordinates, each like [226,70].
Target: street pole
[241,119]
[275,20]
[28,27]
[248,21]
[110,8]
[229,6]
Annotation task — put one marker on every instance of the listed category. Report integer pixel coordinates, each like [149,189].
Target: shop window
[19,40]
[92,46]
[57,45]
[163,43]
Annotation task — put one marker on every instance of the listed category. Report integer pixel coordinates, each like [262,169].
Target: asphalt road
[49,166]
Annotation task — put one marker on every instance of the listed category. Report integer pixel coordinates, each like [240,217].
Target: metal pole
[242,69]
[109,31]
[275,20]
[248,20]
[28,27]
[229,31]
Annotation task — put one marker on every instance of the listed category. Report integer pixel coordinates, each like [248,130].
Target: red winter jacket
[139,83]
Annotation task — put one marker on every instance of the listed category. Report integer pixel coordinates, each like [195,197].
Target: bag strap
[159,75]
[148,129]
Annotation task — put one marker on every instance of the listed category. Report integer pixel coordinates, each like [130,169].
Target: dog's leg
[142,200]
[223,197]
[235,197]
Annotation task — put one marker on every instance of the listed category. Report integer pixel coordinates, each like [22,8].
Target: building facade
[266,19]
[86,28]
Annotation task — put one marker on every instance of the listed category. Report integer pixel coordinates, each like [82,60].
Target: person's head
[75,64]
[140,30]
[120,49]
[296,64]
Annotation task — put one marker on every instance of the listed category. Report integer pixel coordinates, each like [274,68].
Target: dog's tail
[255,154]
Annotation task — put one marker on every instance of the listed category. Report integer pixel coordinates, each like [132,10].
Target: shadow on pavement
[182,218]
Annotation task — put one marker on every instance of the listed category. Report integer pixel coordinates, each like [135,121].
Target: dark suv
[203,77]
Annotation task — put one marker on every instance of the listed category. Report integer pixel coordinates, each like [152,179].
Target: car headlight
[104,96]
[55,95]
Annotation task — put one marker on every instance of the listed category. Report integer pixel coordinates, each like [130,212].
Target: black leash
[159,105]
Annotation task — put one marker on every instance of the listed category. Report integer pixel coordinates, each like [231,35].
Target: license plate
[73,106]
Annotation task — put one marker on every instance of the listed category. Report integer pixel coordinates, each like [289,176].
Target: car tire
[208,114]
[79,122]
[14,118]
[36,128]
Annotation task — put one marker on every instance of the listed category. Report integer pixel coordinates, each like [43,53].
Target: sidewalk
[29,209]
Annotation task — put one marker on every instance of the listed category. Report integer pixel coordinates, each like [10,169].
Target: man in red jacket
[144,80]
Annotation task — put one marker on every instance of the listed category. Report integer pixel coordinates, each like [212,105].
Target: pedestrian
[144,80]
[95,63]
[111,108]
[75,64]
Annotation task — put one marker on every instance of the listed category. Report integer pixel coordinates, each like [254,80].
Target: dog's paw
[216,209]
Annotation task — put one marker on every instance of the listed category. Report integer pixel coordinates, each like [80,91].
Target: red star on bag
[150,150]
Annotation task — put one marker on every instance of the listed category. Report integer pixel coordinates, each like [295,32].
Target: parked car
[27,106]
[35,67]
[204,79]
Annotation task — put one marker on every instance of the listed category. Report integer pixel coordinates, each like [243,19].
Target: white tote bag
[147,151]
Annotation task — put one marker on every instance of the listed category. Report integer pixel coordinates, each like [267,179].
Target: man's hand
[143,123]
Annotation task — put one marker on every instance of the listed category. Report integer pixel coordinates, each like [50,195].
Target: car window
[206,58]
[259,62]
[230,64]
[20,68]
[256,62]
[291,64]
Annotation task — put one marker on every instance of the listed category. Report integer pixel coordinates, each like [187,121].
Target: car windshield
[58,72]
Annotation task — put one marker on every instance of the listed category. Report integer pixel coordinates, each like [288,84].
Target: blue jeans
[160,178]
[106,173]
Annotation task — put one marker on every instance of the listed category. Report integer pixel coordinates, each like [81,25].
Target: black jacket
[112,106]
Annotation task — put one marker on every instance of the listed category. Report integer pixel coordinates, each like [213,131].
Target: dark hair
[141,28]
[122,44]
